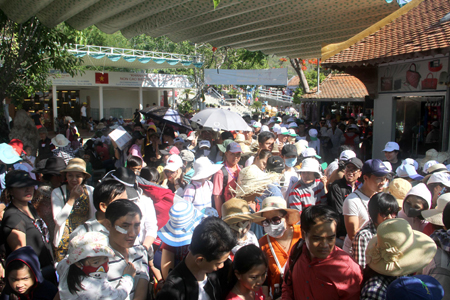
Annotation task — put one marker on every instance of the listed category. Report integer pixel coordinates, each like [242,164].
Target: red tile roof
[294,81]
[416,33]
[339,86]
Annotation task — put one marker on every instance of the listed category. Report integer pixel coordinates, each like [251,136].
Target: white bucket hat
[60,141]
[434,216]
[252,180]
[203,168]
[310,165]
[421,191]
[90,244]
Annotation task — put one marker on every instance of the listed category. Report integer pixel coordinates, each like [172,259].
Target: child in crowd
[135,163]
[87,276]
[24,277]
[250,268]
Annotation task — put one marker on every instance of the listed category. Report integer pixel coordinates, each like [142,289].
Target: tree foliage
[311,78]
[28,52]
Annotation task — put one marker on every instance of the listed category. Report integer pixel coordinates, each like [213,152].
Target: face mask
[290,162]
[412,212]
[206,152]
[275,231]
[100,272]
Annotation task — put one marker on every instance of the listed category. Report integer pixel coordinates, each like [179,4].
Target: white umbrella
[221,119]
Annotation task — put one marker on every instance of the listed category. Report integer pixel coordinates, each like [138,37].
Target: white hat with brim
[90,244]
[310,165]
[252,180]
[60,141]
[398,250]
[236,210]
[203,168]
[8,155]
[275,203]
[434,216]
[184,217]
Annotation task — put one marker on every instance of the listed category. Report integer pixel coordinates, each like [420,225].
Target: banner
[250,77]
[426,75]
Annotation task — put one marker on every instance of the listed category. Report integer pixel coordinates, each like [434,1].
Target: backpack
[225,182]
[296,252]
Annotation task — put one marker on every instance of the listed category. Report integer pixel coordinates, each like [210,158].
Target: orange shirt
[273,273]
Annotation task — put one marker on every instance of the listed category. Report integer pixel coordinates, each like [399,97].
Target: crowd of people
[284,209]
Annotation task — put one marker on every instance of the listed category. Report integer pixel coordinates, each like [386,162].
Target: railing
[214,93]
[241,107]
[275,95]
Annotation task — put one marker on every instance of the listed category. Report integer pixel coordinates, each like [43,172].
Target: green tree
[28,52]
[311,79]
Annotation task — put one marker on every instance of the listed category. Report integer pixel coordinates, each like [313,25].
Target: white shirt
[149,226]
[83,111]
[202,295]
[250,161]
[287,179]
[356,204]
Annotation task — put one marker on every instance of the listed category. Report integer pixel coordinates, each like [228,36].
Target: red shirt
[218,183]
[335,277]
[258,296]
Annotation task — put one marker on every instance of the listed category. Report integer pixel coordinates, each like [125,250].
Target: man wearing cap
[355,207]
[230,172]
[439,266]
[289,155]
[391,151]
[282,134]
[204,147]
[341,188]
[314,140]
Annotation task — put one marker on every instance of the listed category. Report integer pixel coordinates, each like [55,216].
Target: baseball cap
[310,152]
[313,134]
[283,131]
[411,162]
[391,146]
[423,287]
[292,132]
[187,155]
[234,147]
[275,164]
[292,125]
[191,136]
[170,150]
[204,143]
[19,179]
[407,170]
[355,161]
[289,150]
[346,155]
[375,167]
[178,140]
[174,163]
[257,125]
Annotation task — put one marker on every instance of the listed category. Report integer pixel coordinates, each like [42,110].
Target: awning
[100,56]
[294,28]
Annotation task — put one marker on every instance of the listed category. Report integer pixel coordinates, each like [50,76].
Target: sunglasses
[273,221]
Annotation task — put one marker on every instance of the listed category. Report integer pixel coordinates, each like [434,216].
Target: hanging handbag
[412,76]
[429,83]
[386,81]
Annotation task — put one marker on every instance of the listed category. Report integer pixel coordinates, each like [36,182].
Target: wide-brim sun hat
[203,168]
[76,165]
[183,218]
[8,155]
[252,180]
[398,250]
[236,210]
[275,203]
[60,141]
[434,216]
[90,244]
[53,166]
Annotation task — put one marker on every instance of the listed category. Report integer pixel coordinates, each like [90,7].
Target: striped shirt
[302,195]
[138,257]
[198,195]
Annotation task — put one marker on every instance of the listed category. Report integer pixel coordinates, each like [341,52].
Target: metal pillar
[141,99]
[100,102]
[55,106]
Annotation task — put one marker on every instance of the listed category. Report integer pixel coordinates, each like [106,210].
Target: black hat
[126,177]
[53,166]
[20,179]
[289,150]
[355,161]
[275,164]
